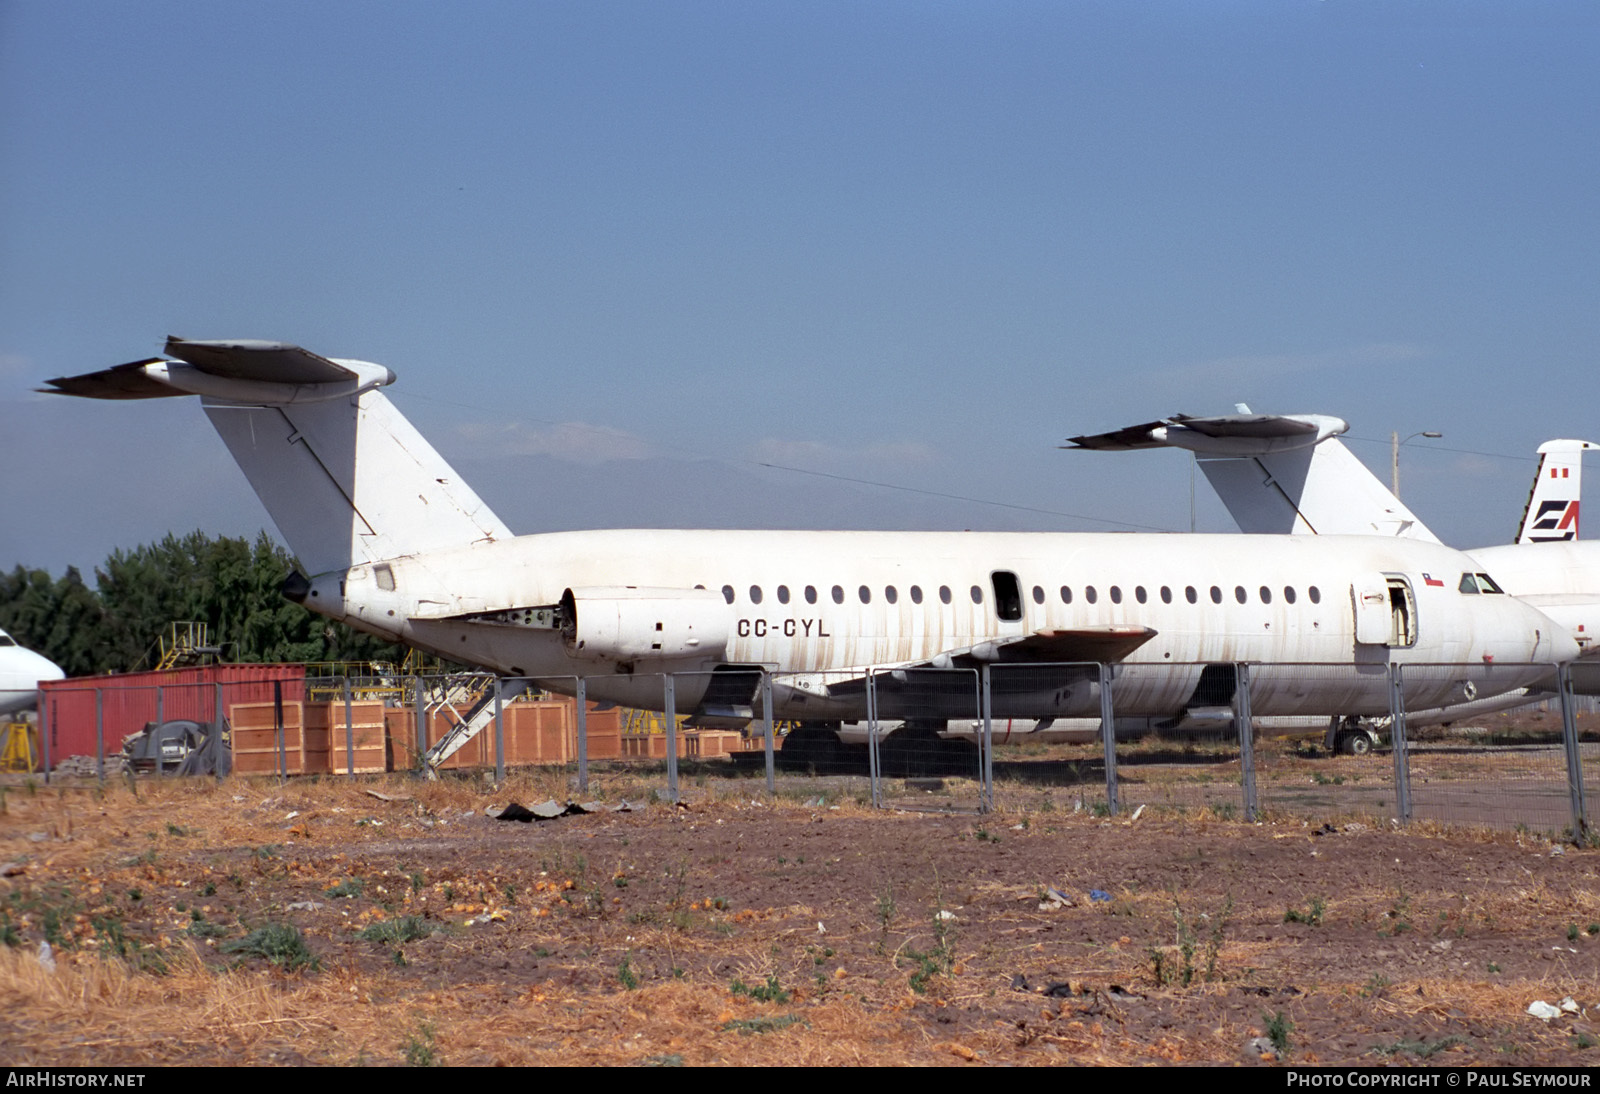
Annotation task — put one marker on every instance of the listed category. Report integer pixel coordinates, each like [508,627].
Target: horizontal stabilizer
[129,381]
[1242,434]
[239,371]
[249,359]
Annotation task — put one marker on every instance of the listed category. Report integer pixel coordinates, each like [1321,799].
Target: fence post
[277,720]
[581,700]
[874,765]
[1108,737]
[419,700]
[499,732]
[1247,740]
[99,733]
[1569,742]
[669,694]
[161,712]
[217,719]
[986,758]
[1397,735]
[349,734]
[44,735]
[766,725]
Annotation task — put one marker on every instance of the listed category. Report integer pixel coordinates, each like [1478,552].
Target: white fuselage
[21,672]
[827,606]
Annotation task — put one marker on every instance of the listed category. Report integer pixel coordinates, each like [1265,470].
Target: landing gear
[917,749]
[1355,744]
[813,745]
[1353,736]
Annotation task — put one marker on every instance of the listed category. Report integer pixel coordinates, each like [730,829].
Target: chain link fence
[1513,746]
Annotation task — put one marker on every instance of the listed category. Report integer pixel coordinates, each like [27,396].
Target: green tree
[231,585]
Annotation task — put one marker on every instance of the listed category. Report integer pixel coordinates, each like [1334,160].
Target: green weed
[279,943]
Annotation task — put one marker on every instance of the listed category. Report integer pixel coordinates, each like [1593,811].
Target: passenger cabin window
[944,593]
[783,594]
[1038,595]
[1216,595]
[1190,595]
[1266,595]
[838,594]
[1239,594]
[1166,595]
[1116,594]
[865,594]
[889,594]
[1066,595]
[916,594]
[811,594]
[755,594]
[1089,594]
[1315,594]
[727,593]
[1138,593]
[1288,594]
[977,595]
[1007,595]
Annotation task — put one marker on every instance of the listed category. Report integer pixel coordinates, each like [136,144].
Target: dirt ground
[314,922]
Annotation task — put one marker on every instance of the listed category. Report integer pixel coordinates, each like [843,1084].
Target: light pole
[1394,455]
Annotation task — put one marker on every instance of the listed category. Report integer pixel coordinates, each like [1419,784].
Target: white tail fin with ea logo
[345,477]
[1551,514]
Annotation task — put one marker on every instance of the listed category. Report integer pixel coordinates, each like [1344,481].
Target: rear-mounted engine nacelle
[631,623]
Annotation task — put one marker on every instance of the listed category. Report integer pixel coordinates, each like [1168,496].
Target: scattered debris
[1540,1009]
[12,869]
[47,959]
[304,906]
[1136,814]
[549,810]
[389,797]
[1262,1047]
[925,784]
[1054,899]
[1099,896]
[944,916]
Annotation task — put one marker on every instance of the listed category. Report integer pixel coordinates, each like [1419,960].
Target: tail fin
[1279,473]
[344,476]
[1551,514]
[1323,490]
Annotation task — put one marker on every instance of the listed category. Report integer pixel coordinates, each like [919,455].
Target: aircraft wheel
[815,746]
[1356,744]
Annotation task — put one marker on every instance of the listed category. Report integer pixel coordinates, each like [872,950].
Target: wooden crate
[255,740]
[707,743]
[326,730]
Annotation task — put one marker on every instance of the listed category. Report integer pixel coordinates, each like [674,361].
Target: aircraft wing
[1111,642]
[240,359]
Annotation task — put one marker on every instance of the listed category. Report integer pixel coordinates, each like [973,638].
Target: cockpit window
[1487,584]
[1469,584]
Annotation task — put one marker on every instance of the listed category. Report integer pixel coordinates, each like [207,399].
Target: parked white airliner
[397,545]
[21,672]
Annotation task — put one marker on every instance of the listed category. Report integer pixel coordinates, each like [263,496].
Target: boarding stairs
[477,718]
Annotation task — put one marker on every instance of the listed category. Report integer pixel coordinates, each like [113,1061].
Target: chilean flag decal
[1429,579]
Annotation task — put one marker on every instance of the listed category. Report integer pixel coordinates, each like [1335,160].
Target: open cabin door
[1385,611]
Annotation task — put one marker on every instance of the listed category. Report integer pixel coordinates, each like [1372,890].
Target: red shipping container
[128,702]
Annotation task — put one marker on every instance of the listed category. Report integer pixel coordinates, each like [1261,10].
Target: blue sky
[627,257]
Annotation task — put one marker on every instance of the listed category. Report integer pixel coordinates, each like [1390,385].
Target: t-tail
[345,477]
[1551,514]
